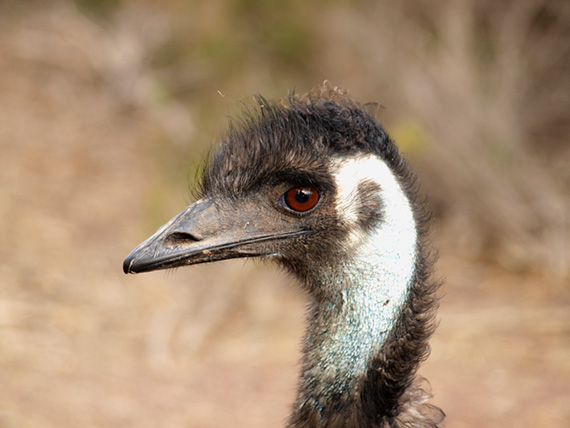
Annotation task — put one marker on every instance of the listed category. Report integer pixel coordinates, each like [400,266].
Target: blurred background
[107,106]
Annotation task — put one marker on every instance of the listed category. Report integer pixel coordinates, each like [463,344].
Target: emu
[316,184]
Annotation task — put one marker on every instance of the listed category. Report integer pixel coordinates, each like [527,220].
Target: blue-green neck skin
[358,303]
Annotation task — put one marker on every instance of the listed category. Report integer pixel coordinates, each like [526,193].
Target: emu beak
[204,233]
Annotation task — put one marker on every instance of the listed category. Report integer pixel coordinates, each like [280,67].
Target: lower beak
[203,233]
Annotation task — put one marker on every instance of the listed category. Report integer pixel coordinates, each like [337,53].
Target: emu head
[303,182]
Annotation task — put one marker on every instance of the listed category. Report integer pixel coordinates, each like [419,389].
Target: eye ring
[301,198]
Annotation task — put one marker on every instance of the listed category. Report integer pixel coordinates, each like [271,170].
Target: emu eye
[301,198]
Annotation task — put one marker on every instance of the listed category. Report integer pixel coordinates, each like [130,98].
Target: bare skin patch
[371,287]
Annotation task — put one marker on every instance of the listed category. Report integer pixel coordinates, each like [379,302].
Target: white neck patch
[395,239]
[375,282]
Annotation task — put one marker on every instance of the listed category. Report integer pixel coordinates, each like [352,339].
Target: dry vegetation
[105,105]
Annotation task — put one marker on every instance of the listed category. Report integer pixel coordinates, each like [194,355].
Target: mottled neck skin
[355,307]
[346,332]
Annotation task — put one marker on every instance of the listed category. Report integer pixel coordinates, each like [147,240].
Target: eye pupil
[301,198]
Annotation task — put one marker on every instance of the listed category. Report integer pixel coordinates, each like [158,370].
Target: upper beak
[204,233]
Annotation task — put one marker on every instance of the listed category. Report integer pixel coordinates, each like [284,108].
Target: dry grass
[100,120]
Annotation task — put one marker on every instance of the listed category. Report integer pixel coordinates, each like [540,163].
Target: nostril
[180,238]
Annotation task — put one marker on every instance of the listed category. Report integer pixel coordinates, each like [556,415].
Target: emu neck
[359,301]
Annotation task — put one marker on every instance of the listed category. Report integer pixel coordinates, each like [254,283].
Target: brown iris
[301,198]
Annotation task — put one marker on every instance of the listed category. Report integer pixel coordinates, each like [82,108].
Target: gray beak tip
[132,262]
[127,264]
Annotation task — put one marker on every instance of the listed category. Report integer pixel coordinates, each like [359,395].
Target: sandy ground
[82,345]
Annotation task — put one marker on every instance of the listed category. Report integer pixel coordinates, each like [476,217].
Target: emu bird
[316,184]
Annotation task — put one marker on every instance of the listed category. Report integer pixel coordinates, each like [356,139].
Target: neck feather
[353,316]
